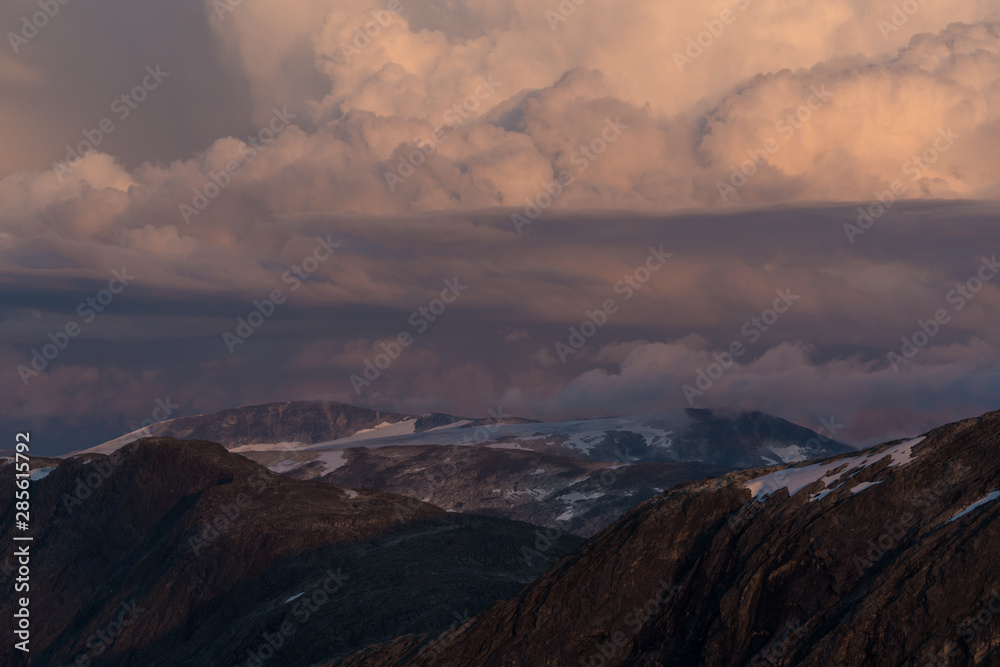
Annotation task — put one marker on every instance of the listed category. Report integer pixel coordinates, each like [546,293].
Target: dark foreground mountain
[885,557]
[181,553]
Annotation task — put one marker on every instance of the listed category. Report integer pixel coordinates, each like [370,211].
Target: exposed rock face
[575,495]
[192,555]
[887,557]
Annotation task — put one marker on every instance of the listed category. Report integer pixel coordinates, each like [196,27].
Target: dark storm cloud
[826,356]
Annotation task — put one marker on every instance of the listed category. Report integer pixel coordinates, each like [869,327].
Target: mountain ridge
[866,558]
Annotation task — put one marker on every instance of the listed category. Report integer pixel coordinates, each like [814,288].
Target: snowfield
[831,474]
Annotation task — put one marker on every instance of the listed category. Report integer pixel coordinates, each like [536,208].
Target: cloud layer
[410,132]
[520,302]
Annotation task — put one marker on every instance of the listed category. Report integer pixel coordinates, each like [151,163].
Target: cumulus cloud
[465,110]
[409,132]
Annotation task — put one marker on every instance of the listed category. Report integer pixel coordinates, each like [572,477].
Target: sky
[574,209]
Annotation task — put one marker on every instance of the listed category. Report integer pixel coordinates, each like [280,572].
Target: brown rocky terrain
[181,553]
[575,495]
[887,557]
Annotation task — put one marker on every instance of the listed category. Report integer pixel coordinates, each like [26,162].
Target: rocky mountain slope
[181,553]
[577,476]
[728,439]
[291,423]
[578,496]
[883,557]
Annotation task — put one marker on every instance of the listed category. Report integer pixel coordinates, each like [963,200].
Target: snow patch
[457,424]
[383,430]
[284,466]
[40,473]
[576,496]
[789,454]
[864,485]
[979,503]
[332,461]
[507,445]
[821,495]
[351,494]
[269,447]
[294,597]
[796,479]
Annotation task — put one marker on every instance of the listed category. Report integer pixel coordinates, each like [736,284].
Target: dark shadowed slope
[575,495]
[204,556]
[886,557]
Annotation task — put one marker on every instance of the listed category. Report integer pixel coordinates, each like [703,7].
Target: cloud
[497,345]
[412,145]
[487,108]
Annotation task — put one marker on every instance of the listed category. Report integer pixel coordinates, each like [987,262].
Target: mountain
[579,496]
[577,476]
[182,553]
[728,439]
[881,557]
[292,423]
